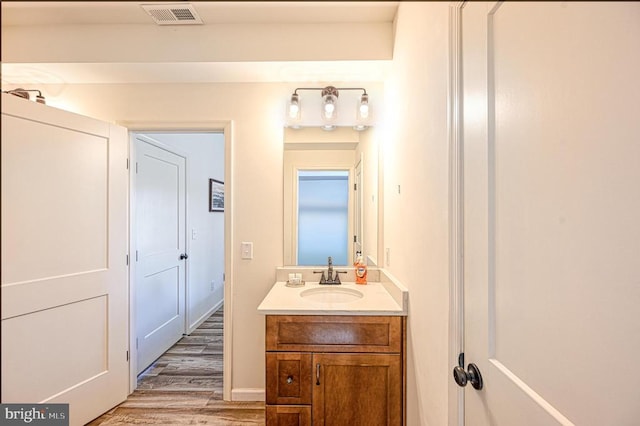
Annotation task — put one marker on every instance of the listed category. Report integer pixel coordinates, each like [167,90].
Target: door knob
[184,256]
[471,375]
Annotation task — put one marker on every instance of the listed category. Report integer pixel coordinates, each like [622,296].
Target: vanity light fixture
[329,107]
[24,93]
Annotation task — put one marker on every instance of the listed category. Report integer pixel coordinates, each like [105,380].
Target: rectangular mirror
[330,196]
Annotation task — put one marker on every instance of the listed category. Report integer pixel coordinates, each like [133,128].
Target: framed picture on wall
[216,196]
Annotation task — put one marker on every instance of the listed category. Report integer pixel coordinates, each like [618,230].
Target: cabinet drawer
[288,378]
[320,333]
[287,415]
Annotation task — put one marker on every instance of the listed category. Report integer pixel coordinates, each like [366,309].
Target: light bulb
[294,109]
[363,107]
[364,110]
[329,109]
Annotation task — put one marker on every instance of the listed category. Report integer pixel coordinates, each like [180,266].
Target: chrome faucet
[331,278]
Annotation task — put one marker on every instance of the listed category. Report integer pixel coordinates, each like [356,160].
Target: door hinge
[136,167]
[127,355]
[355,186]
[136,255]
[127,164]
[355,238]
[127,260]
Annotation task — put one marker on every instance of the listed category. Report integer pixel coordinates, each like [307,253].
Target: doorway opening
[197,244]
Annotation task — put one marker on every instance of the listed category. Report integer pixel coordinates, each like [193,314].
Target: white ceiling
[26,13]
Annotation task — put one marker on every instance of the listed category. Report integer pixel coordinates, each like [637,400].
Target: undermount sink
[331,294]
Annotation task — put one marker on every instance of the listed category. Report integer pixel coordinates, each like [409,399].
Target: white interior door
[161,249]
[64,264]
[552,211]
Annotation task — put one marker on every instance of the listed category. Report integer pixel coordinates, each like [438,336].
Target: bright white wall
[415,156]
[205,160]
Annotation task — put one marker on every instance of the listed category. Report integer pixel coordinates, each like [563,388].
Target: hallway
[184,386]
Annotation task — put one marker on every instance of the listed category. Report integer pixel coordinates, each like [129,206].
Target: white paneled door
[64,265]
[552,211]
[161,249]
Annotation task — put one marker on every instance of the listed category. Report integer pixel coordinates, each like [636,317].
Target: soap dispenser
[361,269]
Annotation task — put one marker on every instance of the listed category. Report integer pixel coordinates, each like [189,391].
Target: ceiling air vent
[173,14]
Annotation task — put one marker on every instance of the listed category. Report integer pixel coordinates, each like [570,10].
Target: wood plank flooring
[184,387]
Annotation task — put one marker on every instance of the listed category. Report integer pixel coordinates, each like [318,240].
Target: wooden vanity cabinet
[335,370]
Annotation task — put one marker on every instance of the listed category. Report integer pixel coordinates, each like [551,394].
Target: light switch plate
[247,250]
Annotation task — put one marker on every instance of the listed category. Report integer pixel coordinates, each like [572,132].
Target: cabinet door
[357,390]
[288,415]
[288,378]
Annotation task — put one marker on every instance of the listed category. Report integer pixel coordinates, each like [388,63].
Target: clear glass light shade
[329,110]
[293,107]
[363,110]
[294,110]
[362,114]
[293,114]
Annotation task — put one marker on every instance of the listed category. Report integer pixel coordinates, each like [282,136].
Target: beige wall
[415,156]
[413,143]
[256,111]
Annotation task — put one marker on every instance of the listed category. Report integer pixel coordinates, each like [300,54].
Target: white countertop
[378,299]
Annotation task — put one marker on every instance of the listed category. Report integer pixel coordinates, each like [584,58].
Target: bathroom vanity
[335,354]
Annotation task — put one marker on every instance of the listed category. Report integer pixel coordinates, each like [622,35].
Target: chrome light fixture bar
[329,112]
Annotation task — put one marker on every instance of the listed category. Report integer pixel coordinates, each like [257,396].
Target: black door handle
[471,375]
[184,256]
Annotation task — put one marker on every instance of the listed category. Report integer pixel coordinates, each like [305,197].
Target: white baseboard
[247,394]
[206,315]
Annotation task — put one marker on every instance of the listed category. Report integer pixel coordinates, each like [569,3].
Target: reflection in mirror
[312,158]
[323,207]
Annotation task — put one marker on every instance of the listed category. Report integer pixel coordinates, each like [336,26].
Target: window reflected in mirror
[323,208]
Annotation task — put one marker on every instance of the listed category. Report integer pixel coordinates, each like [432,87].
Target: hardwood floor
[184,387]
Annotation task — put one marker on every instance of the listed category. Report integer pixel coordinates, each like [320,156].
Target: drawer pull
[290,379]
[318,374]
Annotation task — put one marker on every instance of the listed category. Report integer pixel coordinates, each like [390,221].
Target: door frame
[226,127]
[358,206]
[455,126]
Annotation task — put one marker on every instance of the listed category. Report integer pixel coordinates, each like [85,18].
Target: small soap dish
[295,280]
